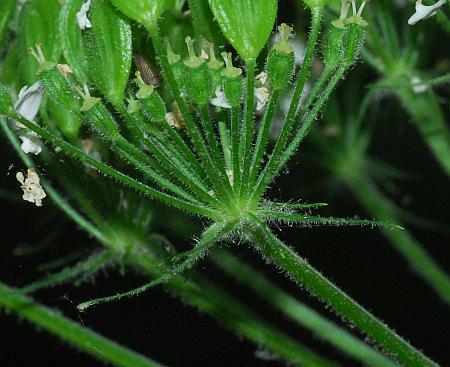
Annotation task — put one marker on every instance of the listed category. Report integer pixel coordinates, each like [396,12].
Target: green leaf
[71,40]
[143,11]
[247,24]
[6,13]
[38,24]
[108,48]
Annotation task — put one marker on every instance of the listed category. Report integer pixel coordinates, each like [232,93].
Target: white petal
[30,143]
[424,11]
[418,85]
[29,101]
[262,96]
[31,186]
[82,19]
[220,100]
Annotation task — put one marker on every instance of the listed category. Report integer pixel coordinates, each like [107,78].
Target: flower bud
[197,79]
[232,81]
[281,59]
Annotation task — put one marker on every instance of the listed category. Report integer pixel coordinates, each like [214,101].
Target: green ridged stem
[302,273]
[298,311]
[69,331]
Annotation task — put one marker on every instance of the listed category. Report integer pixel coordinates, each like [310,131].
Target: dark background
[159,325]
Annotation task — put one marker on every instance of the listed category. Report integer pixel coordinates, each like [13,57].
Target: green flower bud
[56,81]
[281,59]
[232,81]
[153,107]
[97,115]
[332,45]
[197,79]
[215,66]
[352,42]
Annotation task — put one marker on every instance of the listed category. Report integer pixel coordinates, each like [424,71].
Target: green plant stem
[299,312]
[117,175]
[235,148]
[247,127]
[305,275]
[212,143]
[268,172]
[263,135]
[192,127]
[378,205]
[71,332]
[430,122]
[203,294]
[54,195]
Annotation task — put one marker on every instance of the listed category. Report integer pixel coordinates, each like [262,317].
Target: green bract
[5,100]
[143,11]
[108,49]
[247,24]
[39,25]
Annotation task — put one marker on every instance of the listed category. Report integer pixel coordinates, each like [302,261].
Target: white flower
[220,100]
[262,96]
[29,101]
[82,19]
[418,85]
[31,186]
[262,77]
[30,143]
[230,176]
[424,11]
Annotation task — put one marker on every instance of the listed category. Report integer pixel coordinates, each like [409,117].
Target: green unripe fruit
[196,78]
[59,90]
[281,59]
[280,67]
[332,45]
[153,107]
[67,122]
[232,88]
[352,42]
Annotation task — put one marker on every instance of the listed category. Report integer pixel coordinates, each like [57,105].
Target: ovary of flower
[262,96]
[30,143]
[220,100]
[32,189]
[424,11]
[82,19]
[29,101]
[262,77]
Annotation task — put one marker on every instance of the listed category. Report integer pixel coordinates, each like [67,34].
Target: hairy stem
[305,275]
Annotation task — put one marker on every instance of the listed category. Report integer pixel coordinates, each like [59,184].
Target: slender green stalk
[95,261]
[273,167]
[245,149]
[119,176]
[71,213]
[212,143]
[305,275]
[411,250]
[263,135]
[299,312]
[235,148]
[192,127]
[225,143]
[213,300]
[76,335]
[268,172]
[213,234]
[430,122]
